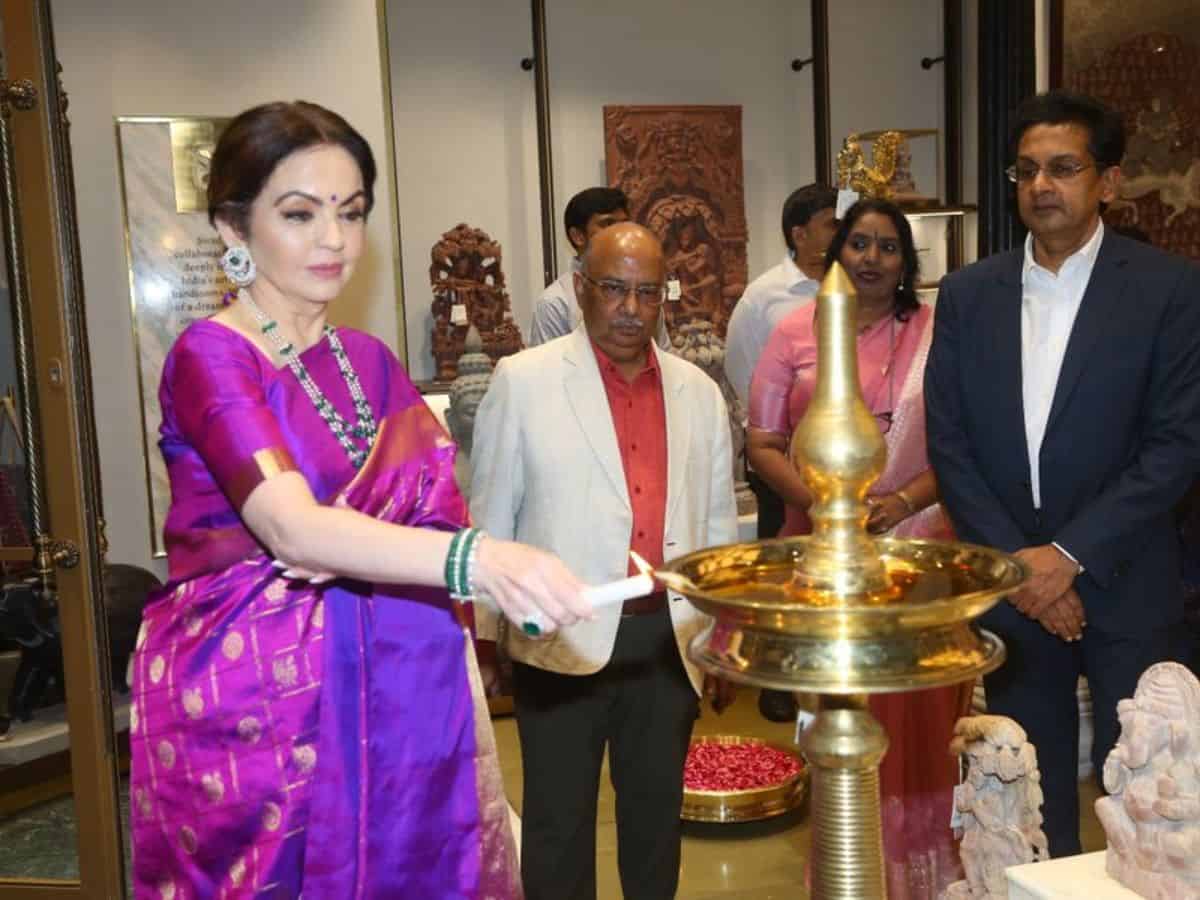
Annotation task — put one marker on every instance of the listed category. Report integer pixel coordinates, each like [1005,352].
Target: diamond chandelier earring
[239,266]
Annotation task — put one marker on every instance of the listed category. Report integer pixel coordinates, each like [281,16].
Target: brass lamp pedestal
[843,615]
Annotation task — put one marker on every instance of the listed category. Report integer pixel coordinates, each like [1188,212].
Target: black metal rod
[1006,77]
[928,62]
[822,136]
[541,81]
[952,72]
[952,103]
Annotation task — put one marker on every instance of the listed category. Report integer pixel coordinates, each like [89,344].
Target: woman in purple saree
[307,713]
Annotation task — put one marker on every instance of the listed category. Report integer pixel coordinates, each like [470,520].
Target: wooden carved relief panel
[1144,60]
[681,168]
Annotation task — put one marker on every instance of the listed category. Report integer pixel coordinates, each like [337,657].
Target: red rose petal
[736,767]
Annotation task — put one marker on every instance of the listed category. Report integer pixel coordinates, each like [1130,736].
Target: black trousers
[642,707]
[1036,686]
[770,506]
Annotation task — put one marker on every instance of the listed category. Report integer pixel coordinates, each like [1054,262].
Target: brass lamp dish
[770,632]
[841,613]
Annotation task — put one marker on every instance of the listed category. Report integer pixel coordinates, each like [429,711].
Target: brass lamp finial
[839,451]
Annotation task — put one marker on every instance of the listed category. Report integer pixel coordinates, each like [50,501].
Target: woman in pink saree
[307,712]
[874,244]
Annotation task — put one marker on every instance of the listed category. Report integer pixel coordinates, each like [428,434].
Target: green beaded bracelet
[460,559]
[453,554]
[463,575]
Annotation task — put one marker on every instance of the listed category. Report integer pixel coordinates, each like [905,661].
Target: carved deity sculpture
[467,390]
[469,290]
[681,169]
[999,803]
[694,264]
[874,180]
[1152,814]
[698,342]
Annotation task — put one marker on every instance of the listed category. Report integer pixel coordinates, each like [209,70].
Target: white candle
[614,592]
[599,596]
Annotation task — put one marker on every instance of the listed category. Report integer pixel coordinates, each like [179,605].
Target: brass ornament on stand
[874,180]
[842,614]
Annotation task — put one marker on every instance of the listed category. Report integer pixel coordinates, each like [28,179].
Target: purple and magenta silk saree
[286,738]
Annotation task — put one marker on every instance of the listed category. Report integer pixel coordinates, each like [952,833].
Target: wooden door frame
[41,200]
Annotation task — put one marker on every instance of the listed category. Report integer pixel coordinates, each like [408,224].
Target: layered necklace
[355,439]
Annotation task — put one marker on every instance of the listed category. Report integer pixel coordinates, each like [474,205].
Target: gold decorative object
[745,805]
[874,180]
[841,614]
[192,143]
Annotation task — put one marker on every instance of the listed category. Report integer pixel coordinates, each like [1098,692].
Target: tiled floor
[41,842]
[756,861]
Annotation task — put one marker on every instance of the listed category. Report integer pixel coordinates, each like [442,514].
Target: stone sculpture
[469,289]
[697,342]
[999,804]
[467,390]
[1152,814]
[681,168]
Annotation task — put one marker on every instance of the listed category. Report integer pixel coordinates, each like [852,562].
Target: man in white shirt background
[1063,413]
[808,227]
[591,210]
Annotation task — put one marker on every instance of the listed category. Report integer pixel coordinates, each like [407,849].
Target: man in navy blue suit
[1063,408]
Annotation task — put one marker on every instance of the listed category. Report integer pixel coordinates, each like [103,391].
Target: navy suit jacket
[1122,442]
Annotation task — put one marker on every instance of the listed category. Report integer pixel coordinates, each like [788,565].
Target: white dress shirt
[767,300]
[1049,304]
[557,312]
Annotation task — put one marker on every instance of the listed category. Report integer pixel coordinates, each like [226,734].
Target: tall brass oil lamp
[842,614]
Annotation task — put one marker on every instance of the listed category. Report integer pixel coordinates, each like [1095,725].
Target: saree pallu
[328,741]
[917,775]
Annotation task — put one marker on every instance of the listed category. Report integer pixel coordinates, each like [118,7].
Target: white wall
[629,52]
[466,146]
[465,118]
[875,75]
[169,57]
[466,139]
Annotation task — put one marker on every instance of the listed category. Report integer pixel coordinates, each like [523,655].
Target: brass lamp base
[844,747]
[772,630]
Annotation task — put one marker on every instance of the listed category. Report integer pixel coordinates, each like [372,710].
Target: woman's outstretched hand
[530,585]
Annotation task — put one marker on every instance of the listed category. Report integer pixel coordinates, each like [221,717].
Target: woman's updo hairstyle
[255,142]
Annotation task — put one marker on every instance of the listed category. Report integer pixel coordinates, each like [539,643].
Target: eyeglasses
[1056,170]
[614,291]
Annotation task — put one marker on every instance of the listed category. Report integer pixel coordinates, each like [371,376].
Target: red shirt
[640,419]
